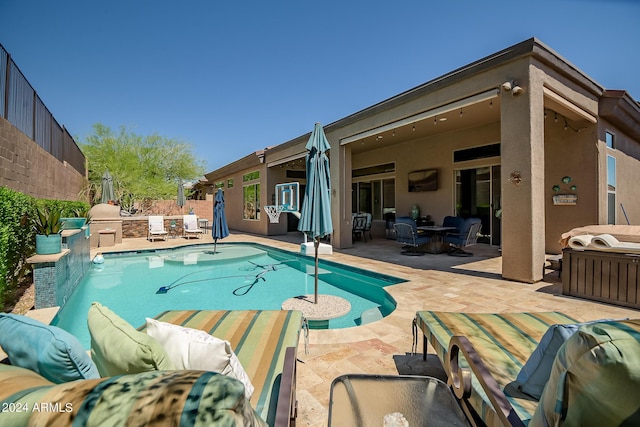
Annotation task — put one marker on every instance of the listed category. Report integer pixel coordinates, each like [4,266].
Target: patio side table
[364,400]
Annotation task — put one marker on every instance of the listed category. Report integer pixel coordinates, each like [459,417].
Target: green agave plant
[82,213]
[47,222]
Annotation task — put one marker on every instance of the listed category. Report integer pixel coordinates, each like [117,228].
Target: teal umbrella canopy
[315,216]
[181,199]
[220,229]
[107,188]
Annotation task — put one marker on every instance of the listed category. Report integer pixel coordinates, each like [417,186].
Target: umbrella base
[307,248]
[328,306]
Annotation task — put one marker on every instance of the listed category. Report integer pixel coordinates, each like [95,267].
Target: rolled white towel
[580,241]
[608,243]
[604,241]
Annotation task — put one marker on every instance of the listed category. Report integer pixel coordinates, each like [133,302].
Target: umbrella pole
[215,245]
[316,243]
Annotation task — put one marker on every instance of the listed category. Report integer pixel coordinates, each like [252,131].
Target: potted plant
[48,227]
[84,212]
[78,220]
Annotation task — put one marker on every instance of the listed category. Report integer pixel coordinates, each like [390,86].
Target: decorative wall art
[566,198]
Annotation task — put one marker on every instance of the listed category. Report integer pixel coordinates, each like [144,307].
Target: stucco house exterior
[522,139]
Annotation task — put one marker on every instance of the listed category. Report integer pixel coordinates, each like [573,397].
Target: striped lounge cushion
[504,342]
[259,339]
[193,398]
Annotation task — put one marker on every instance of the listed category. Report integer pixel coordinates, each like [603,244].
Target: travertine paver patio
[434,282]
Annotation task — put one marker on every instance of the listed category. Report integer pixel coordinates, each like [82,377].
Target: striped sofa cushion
[193,398]
[504,342]
[595,379]
[258,337]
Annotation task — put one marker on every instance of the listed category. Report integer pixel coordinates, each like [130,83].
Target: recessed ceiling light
[443,119]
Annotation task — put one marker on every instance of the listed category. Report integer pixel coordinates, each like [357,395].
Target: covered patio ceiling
[476,110]
[466,113]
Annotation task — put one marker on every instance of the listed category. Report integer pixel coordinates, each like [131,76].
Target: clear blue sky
[232,77]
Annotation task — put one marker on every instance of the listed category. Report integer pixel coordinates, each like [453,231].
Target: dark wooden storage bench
[602,276]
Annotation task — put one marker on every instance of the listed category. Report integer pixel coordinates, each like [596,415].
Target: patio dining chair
[408,236]
[468,236]
[358,229]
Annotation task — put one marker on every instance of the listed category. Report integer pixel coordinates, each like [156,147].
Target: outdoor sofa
[265,343]
[578,374]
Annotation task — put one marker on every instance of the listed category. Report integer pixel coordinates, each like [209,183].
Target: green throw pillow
[118,348]
[595,379]
[48,350]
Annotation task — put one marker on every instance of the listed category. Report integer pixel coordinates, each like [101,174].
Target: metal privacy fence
[21,106]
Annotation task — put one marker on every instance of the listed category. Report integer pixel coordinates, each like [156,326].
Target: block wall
[28,168]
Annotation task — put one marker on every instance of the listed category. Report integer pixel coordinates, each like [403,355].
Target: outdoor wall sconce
[516,178]
[517,90]
[511,86]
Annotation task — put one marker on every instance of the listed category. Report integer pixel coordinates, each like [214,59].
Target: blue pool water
[236,277]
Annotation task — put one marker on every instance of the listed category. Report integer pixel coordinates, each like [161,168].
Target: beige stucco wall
[572,154]
[627,155]
[233,198]
[28,168]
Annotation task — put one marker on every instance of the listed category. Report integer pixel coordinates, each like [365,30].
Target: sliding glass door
[377,197]
[478,196]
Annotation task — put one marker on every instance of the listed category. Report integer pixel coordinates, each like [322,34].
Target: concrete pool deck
[434,282]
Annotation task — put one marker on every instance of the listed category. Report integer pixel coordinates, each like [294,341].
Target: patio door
[478,196]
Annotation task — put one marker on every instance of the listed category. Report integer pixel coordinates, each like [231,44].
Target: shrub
[17,237]
[18,212]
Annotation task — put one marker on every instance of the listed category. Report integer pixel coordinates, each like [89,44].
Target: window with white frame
[611,190]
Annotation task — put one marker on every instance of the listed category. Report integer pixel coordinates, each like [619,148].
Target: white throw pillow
[197,350]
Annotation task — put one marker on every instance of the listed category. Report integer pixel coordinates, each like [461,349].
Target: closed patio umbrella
[107,188]
[315,216]
[181,199]
[220,229]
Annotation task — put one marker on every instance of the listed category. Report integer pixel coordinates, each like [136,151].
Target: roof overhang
[620,109]
[565,107]
[429,114]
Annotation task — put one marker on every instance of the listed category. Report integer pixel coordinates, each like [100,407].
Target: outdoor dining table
[436,235]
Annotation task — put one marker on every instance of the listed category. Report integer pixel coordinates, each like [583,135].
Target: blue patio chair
[408,236]
[467,236]
[453,221]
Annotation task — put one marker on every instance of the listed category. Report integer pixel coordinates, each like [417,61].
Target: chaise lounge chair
[156,228]
[591,380]
[190,226]
[265,343]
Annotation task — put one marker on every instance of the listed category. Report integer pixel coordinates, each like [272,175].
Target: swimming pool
[238,276]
